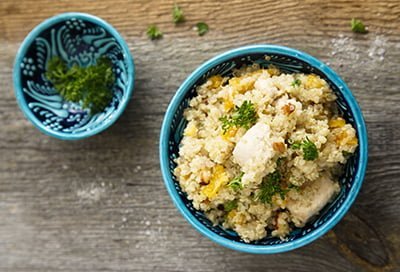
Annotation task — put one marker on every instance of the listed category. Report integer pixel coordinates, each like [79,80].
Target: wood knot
[361,243]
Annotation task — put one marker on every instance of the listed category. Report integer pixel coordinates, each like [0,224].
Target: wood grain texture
[100,204]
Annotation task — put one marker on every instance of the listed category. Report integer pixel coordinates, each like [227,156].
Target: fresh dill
[92,85]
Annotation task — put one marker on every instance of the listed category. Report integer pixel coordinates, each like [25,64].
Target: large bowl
[288,60]
[80,39]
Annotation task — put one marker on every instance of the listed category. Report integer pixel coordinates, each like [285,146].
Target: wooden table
[100,204]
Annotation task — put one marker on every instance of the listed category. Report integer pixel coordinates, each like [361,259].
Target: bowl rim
[37,30]
[358,176]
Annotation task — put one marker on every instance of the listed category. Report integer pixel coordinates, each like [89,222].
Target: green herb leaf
[279,161]
[226,123]
[177,14]
[358,26]
[230,205]
[92,85]
[236,183]
[310,150]
[296,82]
[296,145]
[153,32]
[270,186]
[244,116]
[202,28]
[292,186]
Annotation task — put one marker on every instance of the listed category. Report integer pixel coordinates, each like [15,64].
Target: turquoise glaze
[80,39]
[289,60]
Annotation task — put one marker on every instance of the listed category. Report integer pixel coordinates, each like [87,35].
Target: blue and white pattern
[288,65]
[78,40]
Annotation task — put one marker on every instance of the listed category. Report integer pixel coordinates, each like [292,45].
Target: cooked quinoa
[262,150]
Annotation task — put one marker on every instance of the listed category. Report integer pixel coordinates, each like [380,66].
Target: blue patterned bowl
[77,38]
[288,60]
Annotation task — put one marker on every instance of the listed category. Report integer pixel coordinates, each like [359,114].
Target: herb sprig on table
[154,33]
[92,85]
[202,28]
[358,26]
[177,14]
[243,116]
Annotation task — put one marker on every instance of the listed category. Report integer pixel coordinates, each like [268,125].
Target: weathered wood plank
[100,204]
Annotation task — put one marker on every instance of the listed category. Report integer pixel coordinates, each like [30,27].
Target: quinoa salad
[263,150]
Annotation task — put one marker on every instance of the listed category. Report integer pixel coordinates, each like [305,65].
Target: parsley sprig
[236,183]
[230,205]
[244,116]
[202,28]
[271,186]
[177,14]
[296,82]
[310,150]
[154,33]
[358,26]
[92,85]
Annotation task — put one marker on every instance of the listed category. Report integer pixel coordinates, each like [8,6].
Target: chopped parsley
[91,86]
[153,32]
[230,205]
[202,28]
[310,151]
[292,186]
[270,186]
[296,82]
[177,14]
[296,145]
[358,26]
[280,161]
[236,183]
[244,116]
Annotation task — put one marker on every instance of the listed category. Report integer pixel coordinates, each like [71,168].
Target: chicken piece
[309,202]
[254,148]
[266,85]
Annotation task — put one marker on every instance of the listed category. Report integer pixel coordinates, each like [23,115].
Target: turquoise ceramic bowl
[288,60]
[78,38]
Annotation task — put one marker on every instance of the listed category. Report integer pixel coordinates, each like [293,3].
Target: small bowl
[288,60]
[78,38]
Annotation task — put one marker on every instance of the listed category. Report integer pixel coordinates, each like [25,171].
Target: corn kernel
[337,122]
[241,85]
[228,105]
[313,81]
[353,141]
[218,179]
[231,214]
[341,137]
[216,81]
[229,134]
